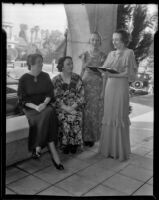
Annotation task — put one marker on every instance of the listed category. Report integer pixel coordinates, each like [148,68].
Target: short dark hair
[61,62]
[125,36]
[32,58]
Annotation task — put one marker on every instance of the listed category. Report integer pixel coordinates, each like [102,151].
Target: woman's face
[95,40]
[37,67]
[117,42]
[68,65]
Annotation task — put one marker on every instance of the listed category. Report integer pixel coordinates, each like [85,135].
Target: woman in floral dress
[69,96]
[92,80]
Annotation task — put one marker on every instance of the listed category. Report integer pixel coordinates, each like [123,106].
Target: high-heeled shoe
[73,149]
[35,154]
[91,144]
[66,149]
[58,166]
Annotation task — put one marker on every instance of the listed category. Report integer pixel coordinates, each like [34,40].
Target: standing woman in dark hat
[35,92]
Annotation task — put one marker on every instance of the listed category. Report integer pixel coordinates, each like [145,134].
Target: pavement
[89,174]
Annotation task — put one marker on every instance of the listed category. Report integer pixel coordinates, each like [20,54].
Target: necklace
[35,77]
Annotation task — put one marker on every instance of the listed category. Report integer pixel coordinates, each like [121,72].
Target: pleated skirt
[115,139]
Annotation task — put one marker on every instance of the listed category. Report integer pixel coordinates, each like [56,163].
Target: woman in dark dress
[35,92]
[69,95]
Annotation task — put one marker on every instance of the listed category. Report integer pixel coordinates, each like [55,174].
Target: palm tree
[124,15]
[36,28]
[32,32]
[42,37]
[134,19]
[22,33]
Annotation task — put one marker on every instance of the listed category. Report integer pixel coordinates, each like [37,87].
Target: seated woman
[69,95]
[35,92]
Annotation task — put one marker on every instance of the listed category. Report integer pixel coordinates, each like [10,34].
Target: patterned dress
[70,125]
[94,106]
[115,140]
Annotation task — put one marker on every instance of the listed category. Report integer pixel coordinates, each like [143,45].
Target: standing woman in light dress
[115,140]
[92,80]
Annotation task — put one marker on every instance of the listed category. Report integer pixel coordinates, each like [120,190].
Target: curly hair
[32,58]
[61,62]
[125,36]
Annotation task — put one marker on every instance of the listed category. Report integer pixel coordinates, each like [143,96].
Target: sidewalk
[90,174]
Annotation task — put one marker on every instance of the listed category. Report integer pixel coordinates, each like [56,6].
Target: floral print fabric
[70,125]
[93,111]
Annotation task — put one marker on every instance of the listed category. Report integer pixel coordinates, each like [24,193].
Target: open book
[95,69]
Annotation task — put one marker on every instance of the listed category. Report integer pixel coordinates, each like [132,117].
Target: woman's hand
[107,74]
[37,108]
[74,106]
[101,71]
[73,112]
[40,107]
[70,109]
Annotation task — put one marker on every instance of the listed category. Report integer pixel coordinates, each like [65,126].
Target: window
[30,32]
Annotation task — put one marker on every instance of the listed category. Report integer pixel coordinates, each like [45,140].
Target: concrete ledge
[16,151]
[16,128]
[17,131]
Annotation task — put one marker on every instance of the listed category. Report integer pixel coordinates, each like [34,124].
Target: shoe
[86,143]
[35,155]
[111,157]
[66,150]
[73,149]
[91,144]
[58,166]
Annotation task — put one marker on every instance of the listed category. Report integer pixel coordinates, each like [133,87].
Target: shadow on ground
[146,100]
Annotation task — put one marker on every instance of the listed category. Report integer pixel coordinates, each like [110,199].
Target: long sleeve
[58,95]
[22,97]
[50,92]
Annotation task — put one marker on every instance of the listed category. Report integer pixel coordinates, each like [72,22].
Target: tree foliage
[124,15]
[134,19]
[50,44]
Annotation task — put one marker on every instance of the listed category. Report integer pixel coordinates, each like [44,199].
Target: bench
[17,131]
